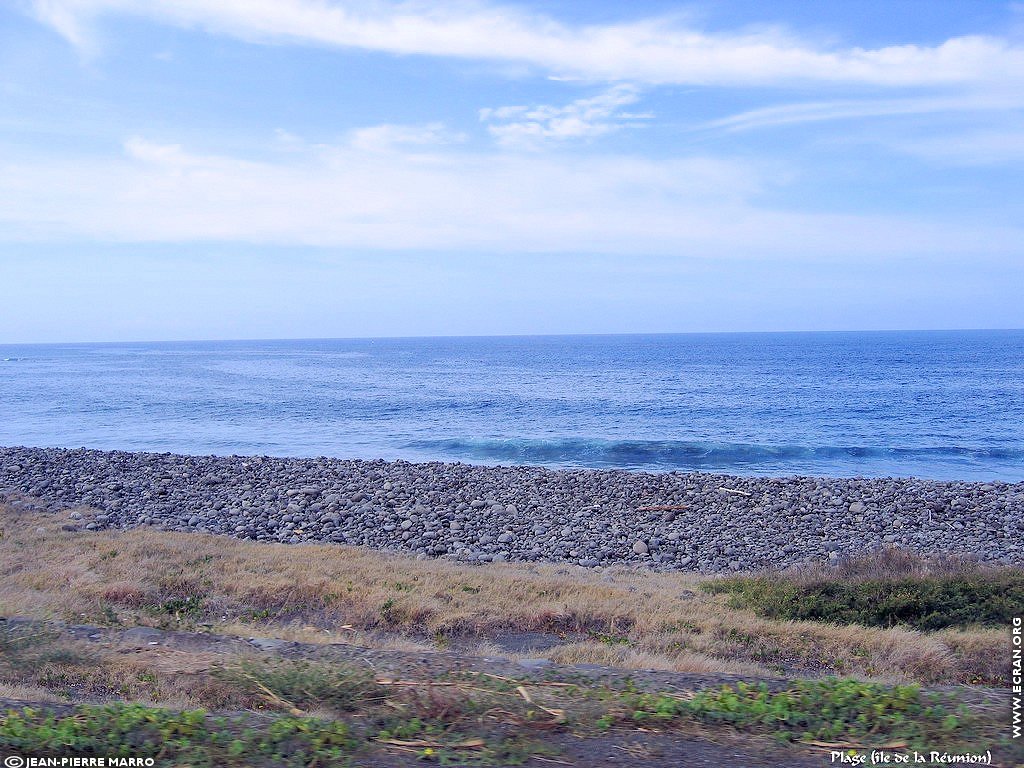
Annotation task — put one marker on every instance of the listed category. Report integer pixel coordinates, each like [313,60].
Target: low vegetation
[887,590]
[480,718]
[621,617]
[831,710]
[302,685]
[102,699]
[182,738]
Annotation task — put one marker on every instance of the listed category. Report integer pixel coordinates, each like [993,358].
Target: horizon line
[506,336]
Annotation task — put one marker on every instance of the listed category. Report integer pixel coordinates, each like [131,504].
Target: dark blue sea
[947,405]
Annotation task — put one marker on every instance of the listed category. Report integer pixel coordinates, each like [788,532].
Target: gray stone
[142,635]
[268,643]
[534,665]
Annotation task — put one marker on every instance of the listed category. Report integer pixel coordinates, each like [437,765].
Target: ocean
[943,405]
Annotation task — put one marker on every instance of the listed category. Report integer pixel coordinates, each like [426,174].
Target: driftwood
[733,490]
[557,714]
[468,744]
[846,745]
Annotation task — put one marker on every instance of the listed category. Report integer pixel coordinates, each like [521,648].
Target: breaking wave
[673,454]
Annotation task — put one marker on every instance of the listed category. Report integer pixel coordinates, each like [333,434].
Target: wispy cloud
[996,135]
[853,109]
[529,126]
[658,50]
[967,148]
[389,136]
[703,207]
[70,20]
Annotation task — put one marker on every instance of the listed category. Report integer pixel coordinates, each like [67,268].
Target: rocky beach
[673,521]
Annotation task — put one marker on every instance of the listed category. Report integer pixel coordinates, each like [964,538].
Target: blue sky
[180,169]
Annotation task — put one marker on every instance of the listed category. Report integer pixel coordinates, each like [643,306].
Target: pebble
[586,518]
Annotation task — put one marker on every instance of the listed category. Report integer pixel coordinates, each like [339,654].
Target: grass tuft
[301,685]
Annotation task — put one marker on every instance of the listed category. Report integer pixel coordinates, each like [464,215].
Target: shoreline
[688,521]
[509,464]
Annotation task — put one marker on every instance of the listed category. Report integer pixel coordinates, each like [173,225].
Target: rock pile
[682,521]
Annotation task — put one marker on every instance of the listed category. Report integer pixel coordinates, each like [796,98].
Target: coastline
[692,521]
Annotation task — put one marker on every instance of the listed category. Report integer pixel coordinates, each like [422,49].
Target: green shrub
[926,603]
[191,737]
[825,710]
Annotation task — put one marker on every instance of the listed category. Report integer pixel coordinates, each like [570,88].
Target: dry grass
[888,564]
[626,657]
[42,666]
[32,693]
[502,717]
[977,651]
[330,593]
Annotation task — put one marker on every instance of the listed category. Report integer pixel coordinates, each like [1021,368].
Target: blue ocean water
[946,405]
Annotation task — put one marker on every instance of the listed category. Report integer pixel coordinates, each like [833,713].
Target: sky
[186,169]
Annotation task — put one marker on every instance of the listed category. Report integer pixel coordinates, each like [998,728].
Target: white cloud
[389,136]
[995,138]
[442,200]
[581,119]
[170,156]
[974,148]
[68,19]
[822,111]
[659,50]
